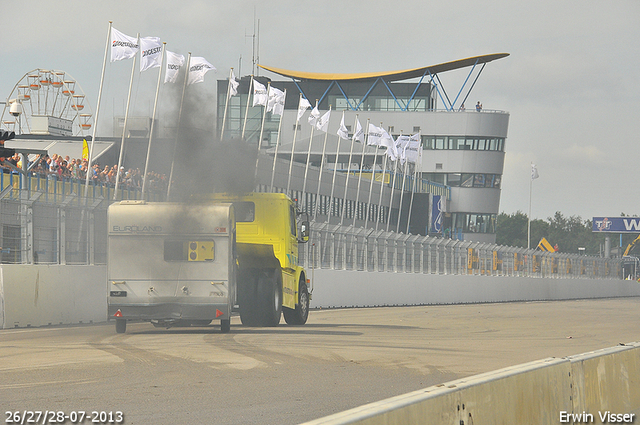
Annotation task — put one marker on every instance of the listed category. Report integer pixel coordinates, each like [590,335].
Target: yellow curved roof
[387,76]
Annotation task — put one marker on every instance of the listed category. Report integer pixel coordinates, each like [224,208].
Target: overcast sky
[571,82]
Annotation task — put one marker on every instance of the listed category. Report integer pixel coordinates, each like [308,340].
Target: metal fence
[346,248]
[49,221]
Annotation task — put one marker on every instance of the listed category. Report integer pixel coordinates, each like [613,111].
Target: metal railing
[46,220]
[361,249]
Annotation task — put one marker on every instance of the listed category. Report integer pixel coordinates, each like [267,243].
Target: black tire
[247,297]
[121,326]
[300,314]
[225,325]
[270,298]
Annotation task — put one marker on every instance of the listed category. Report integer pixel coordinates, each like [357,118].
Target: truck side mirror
[304,232]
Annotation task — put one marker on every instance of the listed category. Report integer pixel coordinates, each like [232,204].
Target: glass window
[292,221]
[481,144]
[479,180]
[245,211]
[492,145]
[454,179]
[467,180]
[428,142]
[440,143]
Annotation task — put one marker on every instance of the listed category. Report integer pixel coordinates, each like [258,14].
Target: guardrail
[597,387]
[362,249]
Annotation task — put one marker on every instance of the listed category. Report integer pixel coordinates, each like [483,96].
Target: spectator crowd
[71,169]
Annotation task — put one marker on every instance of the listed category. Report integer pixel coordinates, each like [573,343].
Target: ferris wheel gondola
[52,96]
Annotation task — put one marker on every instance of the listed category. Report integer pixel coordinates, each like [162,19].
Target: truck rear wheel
[248,297]
[300,314]
[270,298]
[121,326]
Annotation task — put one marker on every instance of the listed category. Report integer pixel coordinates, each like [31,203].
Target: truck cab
[268,237]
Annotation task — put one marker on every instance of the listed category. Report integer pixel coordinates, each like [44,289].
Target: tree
[568,233]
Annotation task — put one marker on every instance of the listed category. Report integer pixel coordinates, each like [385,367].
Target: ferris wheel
[47,102]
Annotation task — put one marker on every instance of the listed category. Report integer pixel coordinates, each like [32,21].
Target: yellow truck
[177,264]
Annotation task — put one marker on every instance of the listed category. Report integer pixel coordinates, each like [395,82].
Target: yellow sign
[387,178]
[544,245]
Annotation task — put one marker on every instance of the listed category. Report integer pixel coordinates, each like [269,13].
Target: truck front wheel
[300,314]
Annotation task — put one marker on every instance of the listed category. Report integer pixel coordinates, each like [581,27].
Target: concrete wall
[540,392]
[343,288]
[40,295]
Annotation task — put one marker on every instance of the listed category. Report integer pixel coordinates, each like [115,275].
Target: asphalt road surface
[286,375]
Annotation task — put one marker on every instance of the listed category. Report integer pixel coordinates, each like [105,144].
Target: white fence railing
[346,248]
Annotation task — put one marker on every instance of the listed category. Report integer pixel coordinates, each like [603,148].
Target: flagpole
[393,185]
[384,171]
[306,168]
[145,178]
[404,179]
[275,156]
[324,148]
[346,183]
[124,130]
[373,179]
[226,104]
[246,111]
[293,146]
[264,117]
[175,145]
[333,181]
[415,180]
[364,147]
[95,121]
[529,216]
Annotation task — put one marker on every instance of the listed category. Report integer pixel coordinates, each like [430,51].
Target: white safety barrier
[346,288]
[598,387]
[41,295]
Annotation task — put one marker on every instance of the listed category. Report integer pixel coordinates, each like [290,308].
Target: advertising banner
[616,224]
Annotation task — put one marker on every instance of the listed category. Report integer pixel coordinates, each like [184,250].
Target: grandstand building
[462,148]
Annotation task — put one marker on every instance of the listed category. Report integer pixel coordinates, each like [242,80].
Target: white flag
[358,135]
[411,151]
[304,105]
[403,143]
[122,46]
[534,172]
[342,131]
[387,141]
[375,135]
[197,68]
[322,123]
[313,117]
[150,52]
[260,96]
[276,101]
[174,63]
[233,85]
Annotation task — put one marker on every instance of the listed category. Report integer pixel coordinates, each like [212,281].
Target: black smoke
[202,162]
